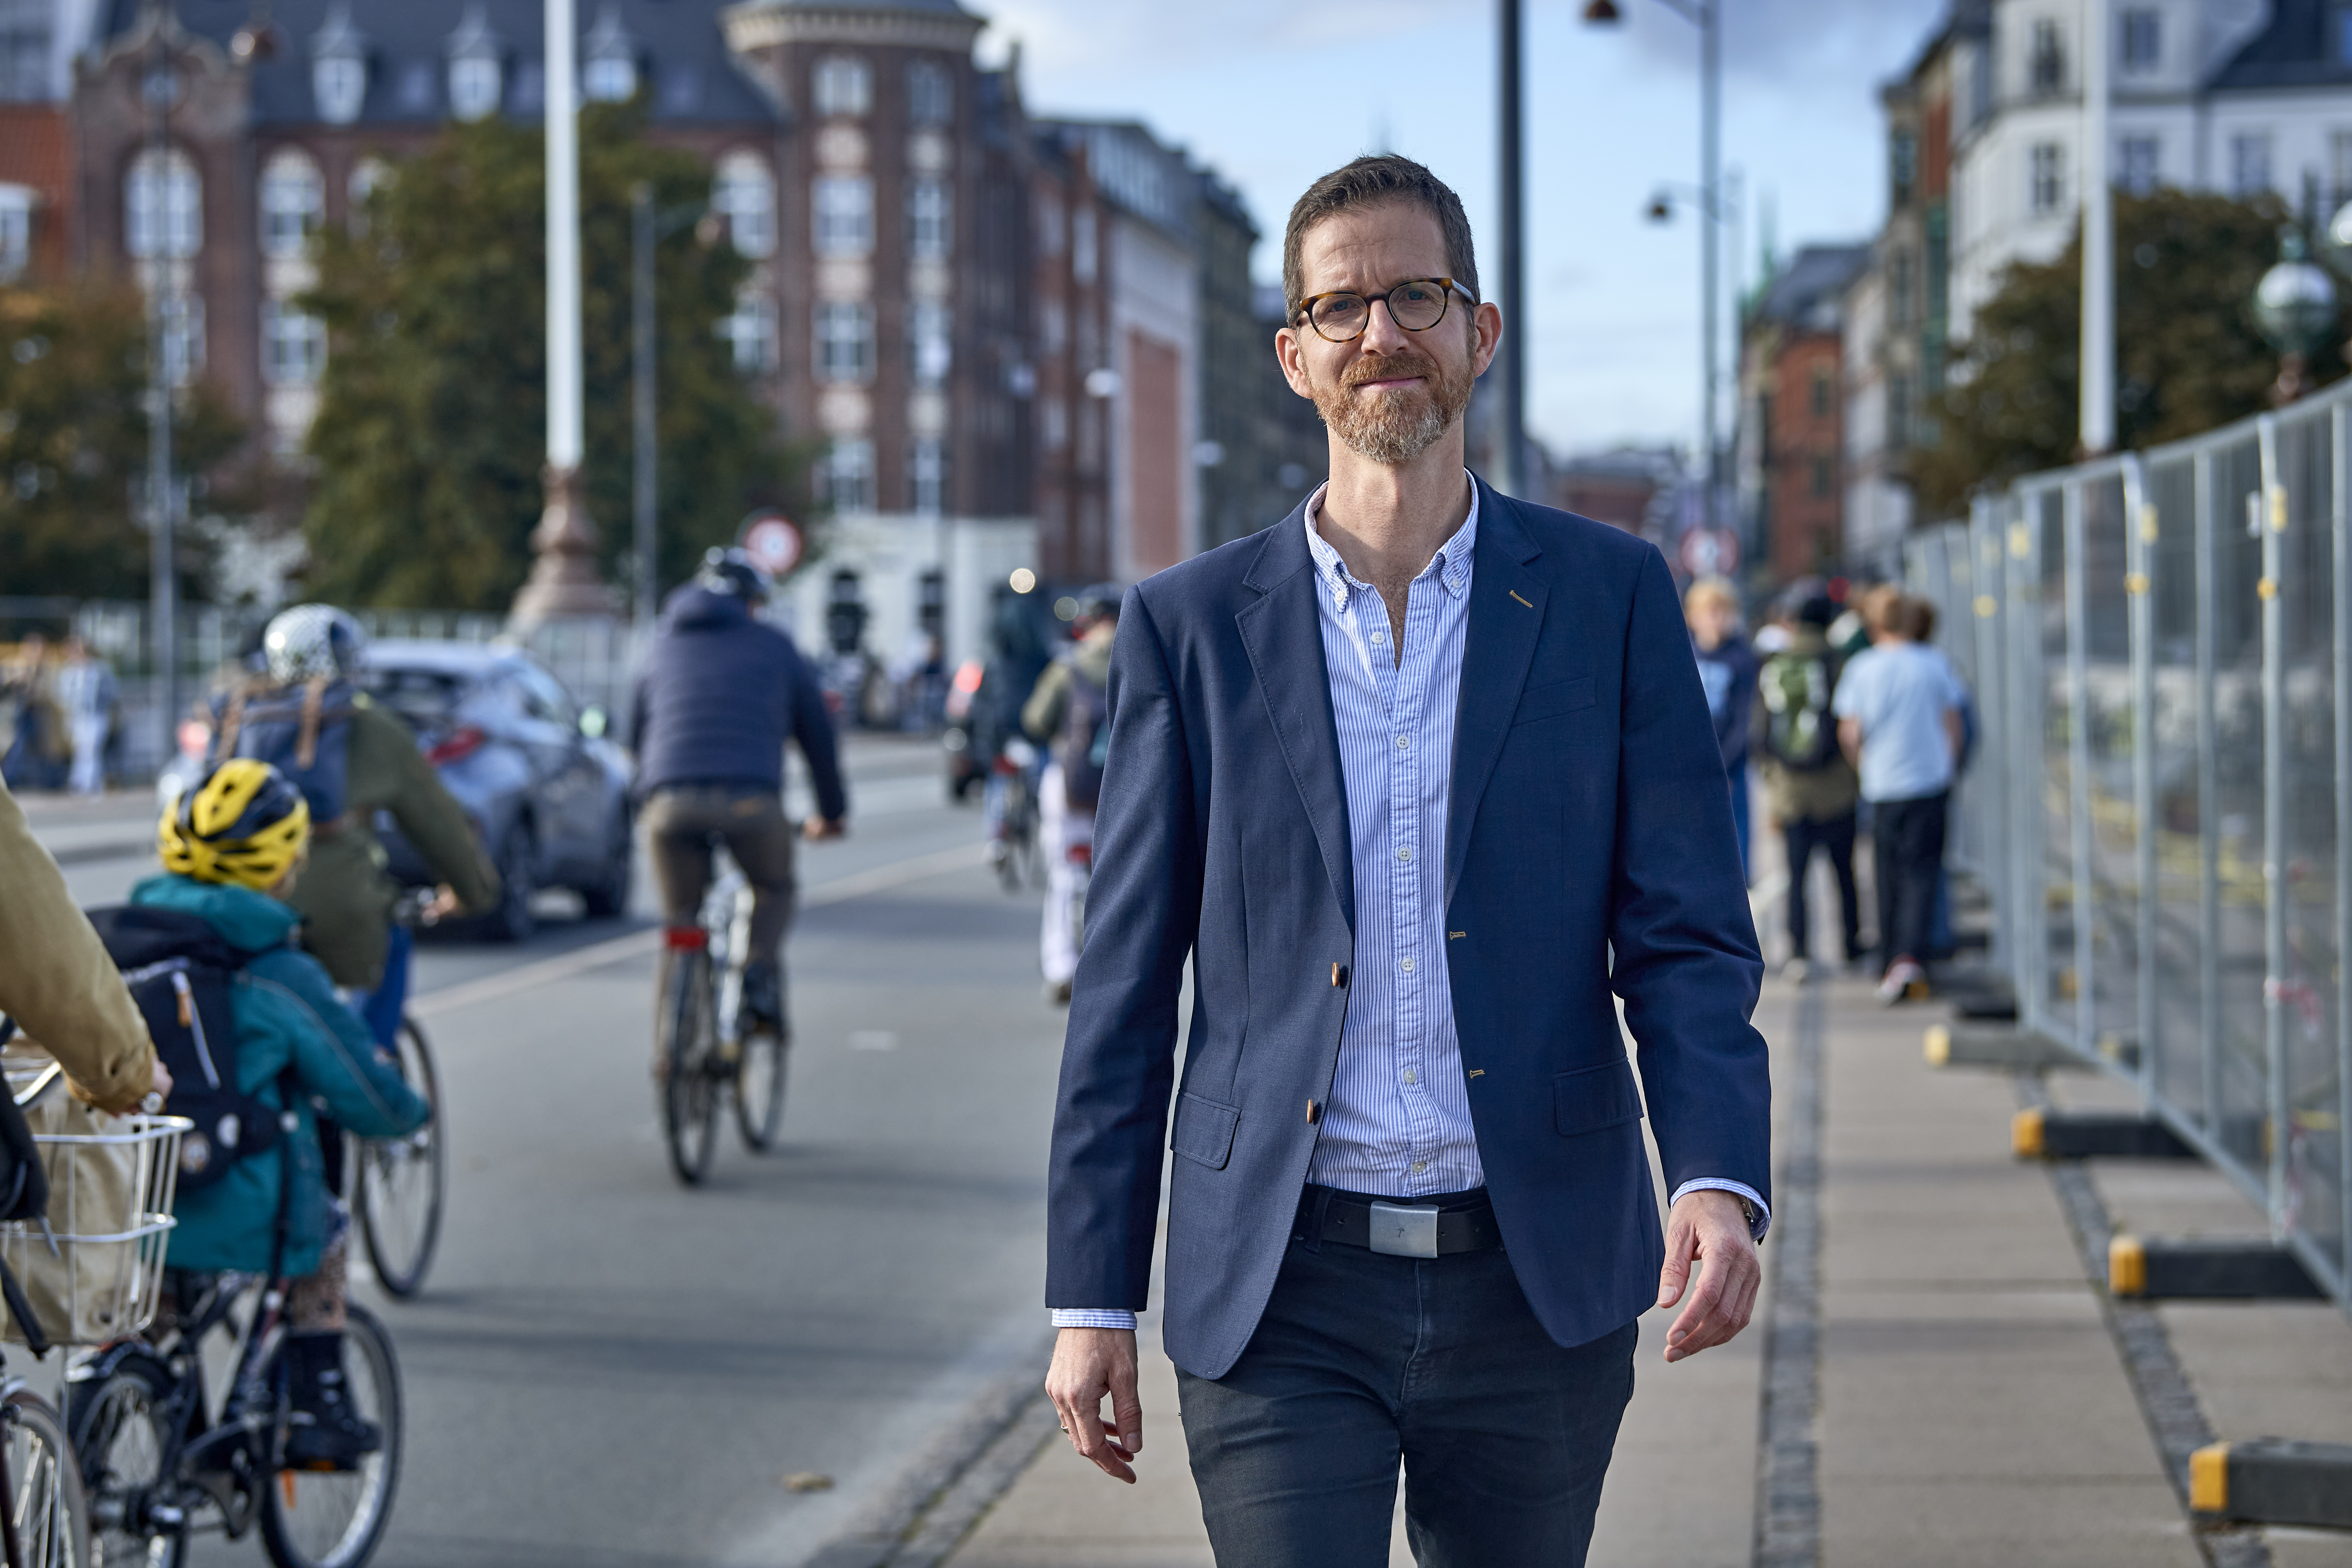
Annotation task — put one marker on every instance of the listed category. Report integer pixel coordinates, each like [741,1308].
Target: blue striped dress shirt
[1398,1123]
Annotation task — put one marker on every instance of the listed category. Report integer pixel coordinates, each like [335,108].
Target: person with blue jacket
[721,693]
[232,847]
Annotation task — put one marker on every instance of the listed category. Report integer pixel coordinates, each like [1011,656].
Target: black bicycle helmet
[734,571]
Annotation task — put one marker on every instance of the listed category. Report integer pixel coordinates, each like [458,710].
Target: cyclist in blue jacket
[231,849]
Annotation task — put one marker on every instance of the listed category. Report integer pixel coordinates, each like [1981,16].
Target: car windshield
[424,698]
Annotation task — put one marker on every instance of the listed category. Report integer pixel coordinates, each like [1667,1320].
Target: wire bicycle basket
[93,1271]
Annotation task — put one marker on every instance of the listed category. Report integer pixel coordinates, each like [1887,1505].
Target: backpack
[1084,740]
[180,972]
[1793,710]
[304,731]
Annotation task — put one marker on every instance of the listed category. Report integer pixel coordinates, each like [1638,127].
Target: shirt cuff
[1093,1318]
[1737,1189]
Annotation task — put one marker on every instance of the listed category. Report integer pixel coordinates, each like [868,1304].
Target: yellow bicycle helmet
[243,824]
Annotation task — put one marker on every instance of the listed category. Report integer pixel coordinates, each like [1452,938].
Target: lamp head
[1661,208]
[1602,12]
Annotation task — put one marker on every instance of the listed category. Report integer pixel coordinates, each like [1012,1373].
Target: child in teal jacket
[232,846]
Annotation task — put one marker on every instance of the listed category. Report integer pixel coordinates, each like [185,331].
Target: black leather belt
[1403,1230]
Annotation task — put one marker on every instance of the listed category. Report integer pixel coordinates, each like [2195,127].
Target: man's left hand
[1709,1226]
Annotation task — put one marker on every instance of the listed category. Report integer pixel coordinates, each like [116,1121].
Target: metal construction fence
[2160,805]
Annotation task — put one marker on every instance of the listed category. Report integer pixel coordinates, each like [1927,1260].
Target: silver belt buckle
[1404,1231]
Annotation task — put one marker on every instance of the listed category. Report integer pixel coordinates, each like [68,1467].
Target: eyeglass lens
[1416,307]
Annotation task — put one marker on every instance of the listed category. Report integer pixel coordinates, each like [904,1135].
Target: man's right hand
[818,829]
[1089,1363]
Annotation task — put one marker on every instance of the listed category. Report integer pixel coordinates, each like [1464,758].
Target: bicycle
[156,1464]
[1015,849]
[707,1057]
[101,1270]
[398,1183]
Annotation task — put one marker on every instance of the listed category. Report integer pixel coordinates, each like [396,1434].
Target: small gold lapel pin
[1514,594]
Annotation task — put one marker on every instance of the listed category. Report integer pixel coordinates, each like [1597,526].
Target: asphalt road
[610,1371]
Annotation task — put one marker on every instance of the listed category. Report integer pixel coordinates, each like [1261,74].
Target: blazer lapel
[1507,613]
[1284,634]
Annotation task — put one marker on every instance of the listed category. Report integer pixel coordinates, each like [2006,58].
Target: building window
[926,477]
[849,476]
[843,86]
[2250,164]
[930,343]
[293,203]
[1898,411]
[1052,424]
[2139,164]
[293,345]
[368,177]
[1082,245]
[2339,33]
[338,87]
[929,235]
[474,83]
[2143,41]
[163,206]
[2046,66]
[750,332]
[931,94]
[1903,165]
[1899,287]
[2047,179]
[184,339]
[1824,391]
[845,215]
[845,341]
[744,193]
[16,231]
[1824,476]
[1053,326]
[613,79]
[1049,225]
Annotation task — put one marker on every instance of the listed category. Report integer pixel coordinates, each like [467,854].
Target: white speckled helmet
[311,642]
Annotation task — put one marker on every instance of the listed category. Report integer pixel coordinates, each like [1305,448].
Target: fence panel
[2173,1035]
[2107,836]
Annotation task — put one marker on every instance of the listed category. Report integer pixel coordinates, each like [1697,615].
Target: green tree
[2188,356]
[73,442]
[431,416]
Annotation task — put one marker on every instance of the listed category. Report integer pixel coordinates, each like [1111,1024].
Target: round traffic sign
[772,541]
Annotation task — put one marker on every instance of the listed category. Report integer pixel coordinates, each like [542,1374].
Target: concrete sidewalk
[1967,1403]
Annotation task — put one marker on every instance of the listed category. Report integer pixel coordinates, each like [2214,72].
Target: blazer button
[1338,975]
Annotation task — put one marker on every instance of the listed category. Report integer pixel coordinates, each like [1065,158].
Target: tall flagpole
[2098,346]
[563,578]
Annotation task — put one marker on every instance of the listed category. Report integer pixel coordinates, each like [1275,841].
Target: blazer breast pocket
[1591,1099]
[1203,1131]
[1551,701]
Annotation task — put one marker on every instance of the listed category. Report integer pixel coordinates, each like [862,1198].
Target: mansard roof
[692,76]
[2293,51]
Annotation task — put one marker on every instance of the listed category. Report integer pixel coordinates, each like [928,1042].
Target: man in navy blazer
[1415,779]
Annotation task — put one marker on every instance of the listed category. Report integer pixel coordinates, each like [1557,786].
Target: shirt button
[1404,855]
[1411,1075]
[1405,742]
[1419,1166]
[1405,964]
[1380,636]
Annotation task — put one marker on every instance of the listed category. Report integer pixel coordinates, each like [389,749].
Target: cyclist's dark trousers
[679,822]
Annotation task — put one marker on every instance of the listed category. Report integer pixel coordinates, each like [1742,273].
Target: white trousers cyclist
[1060,825]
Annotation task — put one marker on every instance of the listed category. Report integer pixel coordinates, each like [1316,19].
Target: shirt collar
[1451,563]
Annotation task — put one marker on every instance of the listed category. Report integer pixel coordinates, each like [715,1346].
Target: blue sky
[1275,92]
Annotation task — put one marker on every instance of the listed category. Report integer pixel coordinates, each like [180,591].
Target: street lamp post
[1707,16]
[1511,442]
[2097,433]
[2294,308]
[160,86]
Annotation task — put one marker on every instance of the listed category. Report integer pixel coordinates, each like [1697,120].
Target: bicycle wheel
[690,1090]
[401,1180]
[45,1496]
[335,1519]
[122,1435]
[759,1091]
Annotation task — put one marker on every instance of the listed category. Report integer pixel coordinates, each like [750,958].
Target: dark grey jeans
[1363,1360]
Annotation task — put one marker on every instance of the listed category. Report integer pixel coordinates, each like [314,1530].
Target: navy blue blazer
[1588,814]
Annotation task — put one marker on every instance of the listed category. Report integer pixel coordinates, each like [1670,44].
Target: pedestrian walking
[86,693]
[1898,707]
[1809,788]
[1397,776]
[1728,672]
[1065,713]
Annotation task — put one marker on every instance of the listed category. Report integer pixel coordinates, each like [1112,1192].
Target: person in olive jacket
[233,848]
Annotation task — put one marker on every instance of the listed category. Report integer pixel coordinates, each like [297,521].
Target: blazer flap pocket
[1204,1130]
[1590,1099]
[1551,701]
